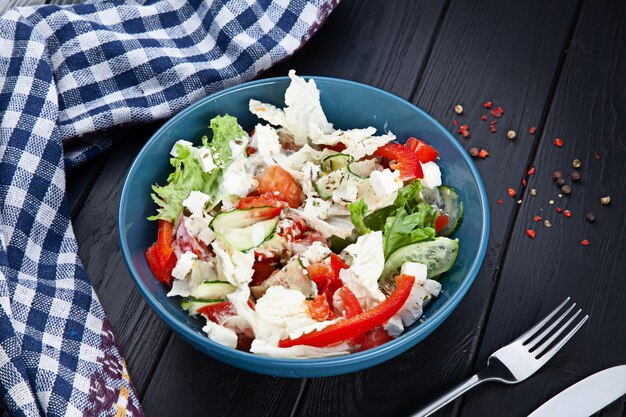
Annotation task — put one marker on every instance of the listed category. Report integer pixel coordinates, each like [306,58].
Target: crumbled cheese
[432,175]
[385,182]
[315,253]
[433,287]
[415,269]
[196,201]
[220,334]
[238,179]
[184,143]
[267,144]
[346,193]
[184,265]
[205,158]
[317,207]
[311,170]
[394,326]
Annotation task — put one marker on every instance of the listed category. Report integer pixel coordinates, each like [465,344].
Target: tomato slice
[321,275]
[423,151]
[279,183]
[217,312]
[360,324]
[374,337]
[405,161]
[337,264]
[441,222]
[263,270]
[351,304]
[263,200]
[160,256]
[320,309]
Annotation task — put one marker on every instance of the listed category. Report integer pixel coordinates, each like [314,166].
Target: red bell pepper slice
[351,304]
[160,256]
[441,222]
[423,151]
[337,264]
[358,325]
[405,161]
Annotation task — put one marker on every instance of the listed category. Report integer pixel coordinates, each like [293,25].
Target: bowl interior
[347,105]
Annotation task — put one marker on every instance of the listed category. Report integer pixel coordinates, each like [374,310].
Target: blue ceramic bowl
[348,105]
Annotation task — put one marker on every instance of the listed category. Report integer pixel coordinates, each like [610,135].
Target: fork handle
[449,396]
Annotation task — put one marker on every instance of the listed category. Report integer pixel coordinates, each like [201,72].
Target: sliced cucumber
[335,162]
[293,276]
[447,200]
[192,305]
[330,182]
[246,229]
[212,290]
[438,255]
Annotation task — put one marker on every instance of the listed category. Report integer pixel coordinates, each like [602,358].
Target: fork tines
[545,343]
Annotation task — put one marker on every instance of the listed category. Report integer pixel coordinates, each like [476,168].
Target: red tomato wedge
[279,183]
[217,312]
[351,304]
[423,151]
[160,256]
[360,324]
[337,264]
[263,200]
[403,160]
[320,309]
[441,222]
[374,337]
[321,275]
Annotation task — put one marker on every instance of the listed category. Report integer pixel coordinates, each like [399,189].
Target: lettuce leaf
[188,174]
[357,215]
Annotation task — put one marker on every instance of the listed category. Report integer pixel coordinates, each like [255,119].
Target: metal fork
[520,359]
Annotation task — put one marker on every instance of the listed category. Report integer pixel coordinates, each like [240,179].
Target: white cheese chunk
[205,158]
[184,265]
[196,201]
[385,182]
[317,207]
[182,142]
[394,326]
[220,334]
[238,178]
[315,253]
[432,175]
[433,287]
[232,265]
[346,193]
[415,269]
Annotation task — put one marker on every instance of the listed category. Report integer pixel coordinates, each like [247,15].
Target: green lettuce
[188,175]
[357,215]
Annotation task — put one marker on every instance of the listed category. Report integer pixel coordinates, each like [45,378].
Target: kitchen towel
[67,75]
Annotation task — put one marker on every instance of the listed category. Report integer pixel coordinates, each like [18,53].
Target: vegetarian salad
[301,240]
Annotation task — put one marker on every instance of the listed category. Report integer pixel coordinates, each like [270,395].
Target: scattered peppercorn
[492,129]
[567,213]
[532,130]
[560,182]
[493,122]
[530,233]
[483,154]
[497,112]
[500,201]
[464,131]
[547,223]
[455,122]
[605,200]
[576,163]
[533,192]
[536,218]
[530,171]
[556,175]
[558,143]
[524,182]
[584,242]
[512,192]
[566,189]
[458,109]
[487,105]
[483,118]
[575,175]
[473,152]
[597,156]
[558,209]
[511,134]
[590,217]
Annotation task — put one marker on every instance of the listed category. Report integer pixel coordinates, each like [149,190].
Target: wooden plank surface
[538,274]
[488,50]
[177,372]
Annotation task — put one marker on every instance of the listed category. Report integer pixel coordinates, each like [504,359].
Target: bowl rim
[385,351]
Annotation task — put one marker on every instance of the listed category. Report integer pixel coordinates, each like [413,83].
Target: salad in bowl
[300,240]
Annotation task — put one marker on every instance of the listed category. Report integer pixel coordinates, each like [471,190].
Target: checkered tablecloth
[67,75]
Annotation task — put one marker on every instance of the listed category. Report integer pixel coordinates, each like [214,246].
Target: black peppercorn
[566,189]
[560,181]
[474,152]
[590,216]
[575,176]
[556,175]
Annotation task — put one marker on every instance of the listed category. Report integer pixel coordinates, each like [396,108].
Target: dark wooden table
[558,65]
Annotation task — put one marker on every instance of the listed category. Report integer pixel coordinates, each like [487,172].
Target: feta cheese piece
[315,253]
[432,287]
[432,175]
[182,142]
[366,264]
[415,269]
[184,265]
[232,265]
[196,201]
[317,207]
[346,193]
[197,225]
[260,347]
[238,178]
[220,334]
[205,158]
[311,170]
[394,326]
[267,144]
[385,182]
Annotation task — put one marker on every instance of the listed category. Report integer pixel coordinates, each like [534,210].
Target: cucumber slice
[335,162]
[210,290]
[293,276]
[438,255]
[329,183]
[447,200]
[192,305]
[248,228]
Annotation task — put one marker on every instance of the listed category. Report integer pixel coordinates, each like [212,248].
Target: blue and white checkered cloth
[67,74]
